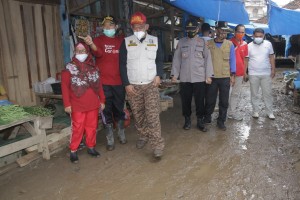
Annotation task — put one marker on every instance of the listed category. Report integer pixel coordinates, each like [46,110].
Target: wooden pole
[171,16]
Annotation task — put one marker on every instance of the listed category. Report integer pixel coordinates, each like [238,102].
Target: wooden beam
[89,2]
[22,144]
[171,16]
[87,15]
[49,2]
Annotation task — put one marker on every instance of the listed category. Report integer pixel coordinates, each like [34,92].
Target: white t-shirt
[259,58]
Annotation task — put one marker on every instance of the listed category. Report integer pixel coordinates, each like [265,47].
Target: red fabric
[84,68]
[241,51]
[107,59]
[126,121]
[88,101]
[84,123]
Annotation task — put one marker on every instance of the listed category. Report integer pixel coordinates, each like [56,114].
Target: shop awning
[283,21]
[223,10]
[250,27]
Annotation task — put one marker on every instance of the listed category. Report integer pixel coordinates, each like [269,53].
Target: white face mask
[139,34]
[81,57]
[258,40]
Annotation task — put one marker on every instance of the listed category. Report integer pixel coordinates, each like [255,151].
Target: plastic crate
[40,87]
[56,87]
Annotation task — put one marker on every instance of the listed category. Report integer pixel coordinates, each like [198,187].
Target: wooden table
[41,96]
[38,136]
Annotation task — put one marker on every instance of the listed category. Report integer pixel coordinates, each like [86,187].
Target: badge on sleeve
[131,43]
[151,43]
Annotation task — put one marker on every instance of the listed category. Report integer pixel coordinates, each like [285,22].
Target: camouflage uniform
[145,108]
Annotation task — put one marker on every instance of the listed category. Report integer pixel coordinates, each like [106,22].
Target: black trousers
[114,102]
[187,91]
[221,85]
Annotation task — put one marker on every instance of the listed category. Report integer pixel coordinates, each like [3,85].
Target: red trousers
[84,123]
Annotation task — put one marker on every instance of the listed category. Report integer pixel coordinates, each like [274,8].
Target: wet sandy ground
[253,159]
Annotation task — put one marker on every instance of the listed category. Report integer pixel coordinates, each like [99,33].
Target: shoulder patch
[132,43]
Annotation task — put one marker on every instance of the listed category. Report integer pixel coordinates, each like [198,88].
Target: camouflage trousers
[145,107]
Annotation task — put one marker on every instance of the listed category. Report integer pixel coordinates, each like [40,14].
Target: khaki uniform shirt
[192,60]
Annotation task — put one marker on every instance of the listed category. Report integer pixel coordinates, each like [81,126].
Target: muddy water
[253,159]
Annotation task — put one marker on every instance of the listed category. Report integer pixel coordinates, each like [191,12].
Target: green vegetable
[11,113]
[38,111]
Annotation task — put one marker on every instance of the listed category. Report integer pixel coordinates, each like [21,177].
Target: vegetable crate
[46,122]
[164,105]
[170,102]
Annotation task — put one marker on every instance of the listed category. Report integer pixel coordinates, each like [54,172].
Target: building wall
[256,9]
[31,48]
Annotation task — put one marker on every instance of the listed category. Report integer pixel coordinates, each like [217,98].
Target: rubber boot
[187,123]
[201,125]
[110,137]
[121,132]
[73,157]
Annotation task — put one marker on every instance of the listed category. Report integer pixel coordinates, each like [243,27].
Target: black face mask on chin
[191,34]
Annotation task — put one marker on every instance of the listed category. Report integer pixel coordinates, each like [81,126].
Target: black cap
[205,27]
[109,18]
[191,24]
[222,25]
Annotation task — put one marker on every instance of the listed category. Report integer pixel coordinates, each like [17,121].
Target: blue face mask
[109,32]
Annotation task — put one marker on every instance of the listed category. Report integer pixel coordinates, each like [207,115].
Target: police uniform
[192,64]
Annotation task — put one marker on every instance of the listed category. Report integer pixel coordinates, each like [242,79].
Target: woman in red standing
[82,96]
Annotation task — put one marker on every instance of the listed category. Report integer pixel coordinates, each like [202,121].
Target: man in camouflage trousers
[141,67]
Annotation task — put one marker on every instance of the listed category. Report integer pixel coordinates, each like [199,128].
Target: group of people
[207,67]
[131,66]
[212,68]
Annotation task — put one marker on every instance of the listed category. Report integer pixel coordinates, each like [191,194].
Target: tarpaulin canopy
[250,27]
[223,10]
[283,21]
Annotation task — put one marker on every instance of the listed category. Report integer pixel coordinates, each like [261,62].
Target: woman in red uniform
[82,96]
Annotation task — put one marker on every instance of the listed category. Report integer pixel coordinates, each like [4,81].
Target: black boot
[201,125]
[187,123]
[110,137]
[73,157]
[93,152]
[121,132]
[221,125]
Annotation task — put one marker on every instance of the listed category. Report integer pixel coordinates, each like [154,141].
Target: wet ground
[253,159]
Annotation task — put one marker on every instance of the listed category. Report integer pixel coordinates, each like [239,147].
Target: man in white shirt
[206,31]
[261,69]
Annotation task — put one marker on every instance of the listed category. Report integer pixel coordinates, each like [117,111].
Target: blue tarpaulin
[223,10]
[250,27]
[283,21]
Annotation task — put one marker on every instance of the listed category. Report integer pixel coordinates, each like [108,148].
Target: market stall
[36,127]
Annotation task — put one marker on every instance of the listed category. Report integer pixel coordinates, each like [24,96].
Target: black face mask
[191,34]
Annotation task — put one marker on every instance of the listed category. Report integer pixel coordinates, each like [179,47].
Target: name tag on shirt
[151,45]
